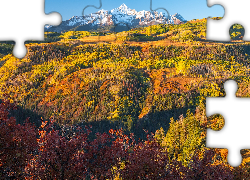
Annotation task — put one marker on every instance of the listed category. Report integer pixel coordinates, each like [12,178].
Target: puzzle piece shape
[160,8]
[83,13]
[236,119]
[235,12]
[29,18]
[151,4]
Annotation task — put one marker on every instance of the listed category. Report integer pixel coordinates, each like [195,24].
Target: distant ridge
[122,15]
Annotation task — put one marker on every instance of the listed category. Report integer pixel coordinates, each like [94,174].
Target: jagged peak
[123,6]
[102,11]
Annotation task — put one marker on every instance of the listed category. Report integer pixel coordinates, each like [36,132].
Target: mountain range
[119,17]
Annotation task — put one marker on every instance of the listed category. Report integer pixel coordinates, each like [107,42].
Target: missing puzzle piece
[23,15]
[235,134]
[236,12]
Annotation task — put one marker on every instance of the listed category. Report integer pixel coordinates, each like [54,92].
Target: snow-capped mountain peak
[123,7]
[121,15]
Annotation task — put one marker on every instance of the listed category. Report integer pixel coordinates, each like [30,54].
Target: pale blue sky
[189,9]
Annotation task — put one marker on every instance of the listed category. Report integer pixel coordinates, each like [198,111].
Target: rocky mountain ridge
[121,16]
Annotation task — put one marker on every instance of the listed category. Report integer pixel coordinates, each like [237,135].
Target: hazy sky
[189,9]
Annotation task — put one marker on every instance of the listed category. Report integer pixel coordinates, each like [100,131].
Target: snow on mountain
[121,15]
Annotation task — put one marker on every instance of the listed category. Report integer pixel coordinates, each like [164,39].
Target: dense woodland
[127,105]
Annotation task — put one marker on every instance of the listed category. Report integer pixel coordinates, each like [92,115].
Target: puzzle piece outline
[83,13]
[218,30]
[224,137]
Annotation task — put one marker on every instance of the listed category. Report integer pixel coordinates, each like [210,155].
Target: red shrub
[54,156]
[148,161]
[205,169]
[17,143]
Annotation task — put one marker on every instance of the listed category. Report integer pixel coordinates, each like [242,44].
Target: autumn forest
[126,105]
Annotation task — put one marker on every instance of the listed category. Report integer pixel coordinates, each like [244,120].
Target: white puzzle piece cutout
[24,15]
[235,134]
[236,12]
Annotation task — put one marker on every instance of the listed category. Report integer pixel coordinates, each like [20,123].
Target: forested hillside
[146,80]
